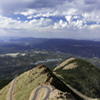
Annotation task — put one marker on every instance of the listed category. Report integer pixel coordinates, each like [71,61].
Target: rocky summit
[26,84]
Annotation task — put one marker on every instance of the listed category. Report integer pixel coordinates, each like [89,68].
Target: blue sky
[76,19]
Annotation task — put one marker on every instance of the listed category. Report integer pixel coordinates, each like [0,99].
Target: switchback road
[10,95]
[47,95]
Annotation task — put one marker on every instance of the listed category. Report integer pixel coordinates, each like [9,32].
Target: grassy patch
[27,82]
[3,92]
[3,83]
[85,78]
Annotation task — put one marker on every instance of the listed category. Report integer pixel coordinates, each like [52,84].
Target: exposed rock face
[59,95]
[64,63]
[41,66]
[27,83]
[70,66]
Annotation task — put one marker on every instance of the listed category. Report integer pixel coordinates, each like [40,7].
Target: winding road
[10,95]
[36,92]
[47,95]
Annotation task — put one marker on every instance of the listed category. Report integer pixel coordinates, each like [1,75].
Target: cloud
[70,25]
[63,6]
[68,18]
[18,18]
[10,24]
[60,25]
[78,24]
[94,27]
[71,11]
[52,16]
[90,1]
[10,27]
[29,17]
[47,14]
[46,3]
[26,13]
[76,17]
[11,6]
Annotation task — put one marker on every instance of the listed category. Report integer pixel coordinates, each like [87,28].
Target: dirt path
[9,95]
[40,93]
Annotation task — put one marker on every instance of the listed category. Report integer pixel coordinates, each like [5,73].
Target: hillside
[81,75]
[28,82]
[83,48]
[13,64]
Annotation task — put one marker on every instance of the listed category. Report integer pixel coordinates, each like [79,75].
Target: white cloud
[76,17]
[33,21]
[60,25]
[32,13]
[68,18]
[56,26]
[86,15]
[94,27]
[42,22]
[78,24]
[11,27]
[7,23]
[18,17]
[71,11]
[46,14]
[29,17]
[38,15]
[91,17]
[50,14]
[26,13]
[83,16]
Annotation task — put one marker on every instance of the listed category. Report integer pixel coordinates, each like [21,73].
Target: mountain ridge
[84,77]
[31,80]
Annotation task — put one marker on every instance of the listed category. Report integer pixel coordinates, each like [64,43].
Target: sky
[76,19]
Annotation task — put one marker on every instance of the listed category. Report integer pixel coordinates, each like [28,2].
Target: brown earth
[70,66]
[28,82]
[64,63]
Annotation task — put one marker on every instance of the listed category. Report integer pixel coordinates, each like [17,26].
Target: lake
[47,60]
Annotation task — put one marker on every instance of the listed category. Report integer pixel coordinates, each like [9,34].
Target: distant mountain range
[26,41]
[1,41]
[83,48]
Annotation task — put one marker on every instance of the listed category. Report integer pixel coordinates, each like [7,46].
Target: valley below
[70,69]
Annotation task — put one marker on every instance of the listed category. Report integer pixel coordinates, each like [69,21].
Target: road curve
[10,95]
[47,95]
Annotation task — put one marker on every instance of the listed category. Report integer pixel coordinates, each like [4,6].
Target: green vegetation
[3,83]
[85,78]
[10,67]
[30,80]
[4,92]
[13,66]
[57,82]
[26,84]
[95,61]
